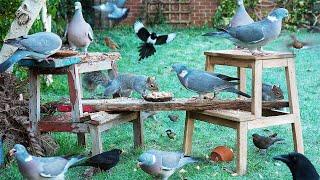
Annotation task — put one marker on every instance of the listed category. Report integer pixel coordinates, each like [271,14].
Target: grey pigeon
[255,35]
[271,92]
[79,32]
[162,164]
[203,82]
[35,168]
[113,10]
[37,46]
[120,3]
[241,17]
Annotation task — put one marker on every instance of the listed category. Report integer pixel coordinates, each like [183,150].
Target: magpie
[147,49]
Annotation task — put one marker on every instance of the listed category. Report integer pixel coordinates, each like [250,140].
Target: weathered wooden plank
[131,104]
[240,54]
[34,101]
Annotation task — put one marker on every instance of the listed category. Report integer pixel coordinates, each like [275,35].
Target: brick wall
[201,11]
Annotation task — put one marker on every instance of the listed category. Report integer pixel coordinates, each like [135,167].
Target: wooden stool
[243,121]
[103,121]
[72,66]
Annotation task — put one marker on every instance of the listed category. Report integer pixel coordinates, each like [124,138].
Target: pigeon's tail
[220,33]
[146,50]
[112,88]
[226,78]
[74,160]
[236,91]
[186,160]
[14,42]
[17,56]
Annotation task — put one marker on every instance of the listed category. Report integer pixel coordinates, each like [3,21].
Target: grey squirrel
[271,92]
[92,80]
[125,84]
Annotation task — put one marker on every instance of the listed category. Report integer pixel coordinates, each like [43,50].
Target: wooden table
[72,66]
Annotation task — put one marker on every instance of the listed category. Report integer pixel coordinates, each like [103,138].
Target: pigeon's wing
[52,166]
[120,3]
[170,160]
[43,42]
[165,38]
[108,7]
[119,14]
[141,31]
[252,33]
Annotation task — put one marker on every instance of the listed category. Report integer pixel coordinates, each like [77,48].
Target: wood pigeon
[203,82]
[79,32]
[37,46]
[300,166]
[241,17]
[32,167]
[104,161]
[255,35]
[147,49]
[114,10]
[162,164]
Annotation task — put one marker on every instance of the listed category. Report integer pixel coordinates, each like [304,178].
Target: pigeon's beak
[12,152]
[283,158]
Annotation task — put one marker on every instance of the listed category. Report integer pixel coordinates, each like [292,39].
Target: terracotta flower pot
[221,154]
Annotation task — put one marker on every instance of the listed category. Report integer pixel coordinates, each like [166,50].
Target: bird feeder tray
[158,97]
[64,53]
[54,63]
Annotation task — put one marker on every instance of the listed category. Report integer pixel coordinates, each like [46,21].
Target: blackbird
[264,142]
[104,161]
[300,166]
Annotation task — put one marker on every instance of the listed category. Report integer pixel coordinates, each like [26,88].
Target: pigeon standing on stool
[203,82]
[162,164]
[79,32]
[255,35]
[147,49]
[38,46]
[32,167]
[241,17]
[300,166]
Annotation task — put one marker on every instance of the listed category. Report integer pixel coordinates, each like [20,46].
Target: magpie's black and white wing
[141,31]
[165,38]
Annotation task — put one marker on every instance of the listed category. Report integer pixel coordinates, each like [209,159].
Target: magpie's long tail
[236,91]
[146,50]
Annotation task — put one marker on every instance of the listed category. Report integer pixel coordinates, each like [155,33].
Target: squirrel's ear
[151,79]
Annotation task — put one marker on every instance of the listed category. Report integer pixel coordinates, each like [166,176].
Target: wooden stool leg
[188,132]
[208,66]
[242,80]
[138,132]
[95,133]
[34,102]
[75,99]
[256,107]
[294,106]
[242,146]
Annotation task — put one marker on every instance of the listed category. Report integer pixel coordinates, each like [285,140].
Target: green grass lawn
[188,48]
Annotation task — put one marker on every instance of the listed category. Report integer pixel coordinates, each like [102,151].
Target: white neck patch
[29,158]
[272,18]
[183,73]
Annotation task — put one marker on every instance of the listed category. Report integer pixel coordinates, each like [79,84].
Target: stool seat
[232,115]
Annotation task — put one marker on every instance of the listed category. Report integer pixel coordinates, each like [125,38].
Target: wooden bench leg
[209,66]
[138,132]
[294,107]
[242,146]
[95,133]
[256,107]
[75,99]
[34,102]
[188,132]
[242,80]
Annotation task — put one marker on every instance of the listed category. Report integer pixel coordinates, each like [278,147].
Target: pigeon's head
[153,36]
[146,159]
[77,5]
[20,152]
[278,14]
[240,2]
[178,68]
[298,165]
